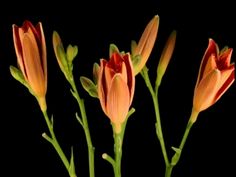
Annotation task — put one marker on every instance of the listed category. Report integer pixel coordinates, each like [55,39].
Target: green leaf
[113,48]
[89,86]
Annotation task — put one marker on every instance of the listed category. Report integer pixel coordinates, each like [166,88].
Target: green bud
[96,69]
[89,86]
[136,61]
[71,52]
[113,48]
[62,58]
[133,46]
[17,74]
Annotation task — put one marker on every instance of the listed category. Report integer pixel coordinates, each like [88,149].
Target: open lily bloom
[30,47]
[215,76]
[116,82]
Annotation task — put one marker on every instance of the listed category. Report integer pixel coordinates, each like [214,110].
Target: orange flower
[116,83]
[215,76]
[30,50]
[146,43]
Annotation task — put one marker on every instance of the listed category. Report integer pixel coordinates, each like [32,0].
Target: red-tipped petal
[130,75]
[18,47]
[227,78]
[212,49]
[224,59]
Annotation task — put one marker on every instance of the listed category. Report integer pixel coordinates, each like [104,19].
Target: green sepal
[89,86]
[176,156]
[72,165]
[113,49]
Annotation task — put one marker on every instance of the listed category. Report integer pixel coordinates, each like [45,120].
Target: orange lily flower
[116,81]
[30,47]
[146,43]
[215,76]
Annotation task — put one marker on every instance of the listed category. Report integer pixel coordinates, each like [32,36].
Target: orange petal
[130,75]
[146,42]
[166,54]
[227,79]
[210,65]
[212,49]
[124,72]
[224,59]
[43,52]
[109,74]
[118,100]
[17,33]
[206,91]
[34,72]
[101,85]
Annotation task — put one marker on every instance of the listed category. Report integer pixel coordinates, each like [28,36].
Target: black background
[209,149]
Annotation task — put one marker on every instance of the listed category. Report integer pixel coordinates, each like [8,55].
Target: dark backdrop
[93,26]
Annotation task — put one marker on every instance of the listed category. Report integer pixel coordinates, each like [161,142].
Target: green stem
[85,127]
[178,153]
[118,138]
[55,143]
[168,171]
[118,142]
[159,133]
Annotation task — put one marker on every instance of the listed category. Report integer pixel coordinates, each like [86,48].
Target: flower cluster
[113,84]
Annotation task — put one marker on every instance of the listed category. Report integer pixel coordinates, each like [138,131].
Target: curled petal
[212,49]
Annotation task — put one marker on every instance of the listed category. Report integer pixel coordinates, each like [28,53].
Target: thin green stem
[179,150]
[85,127]
[54,142]
[118,142]
[118,138]
[159,133]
